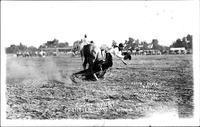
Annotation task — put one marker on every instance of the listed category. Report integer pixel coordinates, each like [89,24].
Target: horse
[99,68]
[91,54]
[82,44]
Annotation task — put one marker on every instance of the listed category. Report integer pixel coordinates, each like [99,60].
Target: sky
[35,22]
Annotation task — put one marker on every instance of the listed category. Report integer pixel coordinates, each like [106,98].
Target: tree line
[136,44]
[183,42]
[15,48]
[129,44]
[49,44]
[54,44]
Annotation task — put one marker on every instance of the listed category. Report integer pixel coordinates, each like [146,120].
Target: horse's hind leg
[93,74]
[78,75]
[91,67]
[81,72]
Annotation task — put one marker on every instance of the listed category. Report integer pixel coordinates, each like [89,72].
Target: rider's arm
[117,53]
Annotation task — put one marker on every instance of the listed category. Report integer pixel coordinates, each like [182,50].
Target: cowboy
[85,39]
[117,51]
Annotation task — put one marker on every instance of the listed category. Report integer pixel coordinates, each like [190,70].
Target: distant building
[65,50]
[57,50]
[152,52]
[180,50]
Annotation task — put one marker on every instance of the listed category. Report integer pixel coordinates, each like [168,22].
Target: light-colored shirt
[97,51]
[116,52]
[85,41]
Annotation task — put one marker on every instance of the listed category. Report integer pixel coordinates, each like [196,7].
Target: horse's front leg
[91,66]
[94,75]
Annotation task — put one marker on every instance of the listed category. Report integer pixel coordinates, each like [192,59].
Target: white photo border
[119,122]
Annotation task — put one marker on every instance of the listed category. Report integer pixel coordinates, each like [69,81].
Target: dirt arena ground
[40,88]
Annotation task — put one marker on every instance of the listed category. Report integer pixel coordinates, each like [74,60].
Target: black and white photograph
[100,63]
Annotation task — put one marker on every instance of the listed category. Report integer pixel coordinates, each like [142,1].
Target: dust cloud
[43,69]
